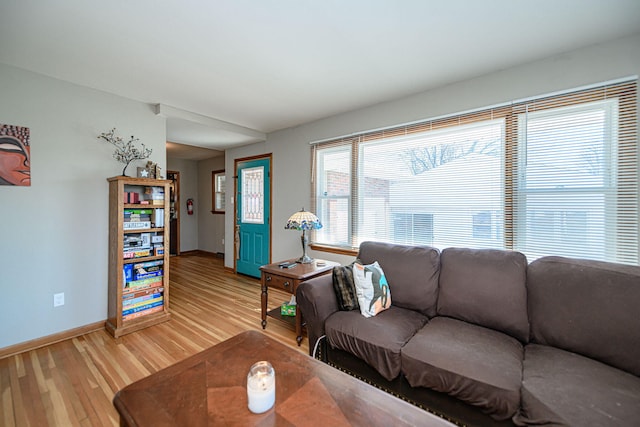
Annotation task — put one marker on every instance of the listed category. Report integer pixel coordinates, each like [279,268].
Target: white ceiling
[226,67]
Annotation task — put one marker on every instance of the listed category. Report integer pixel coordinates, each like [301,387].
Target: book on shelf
[137,218]
[143,313]
[144,268]
[155,195]
[149,282]
[151,274]
[127,271]
[136,253]
[155,303]
[141,301]
[131,197]
[136,225]
[137,241]
[146,264]
[135,211]
[141,293]
[138,270]
[158,217]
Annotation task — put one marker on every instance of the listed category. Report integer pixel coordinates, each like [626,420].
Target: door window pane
[253,195]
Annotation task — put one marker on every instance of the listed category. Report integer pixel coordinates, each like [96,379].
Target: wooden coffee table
[209,389]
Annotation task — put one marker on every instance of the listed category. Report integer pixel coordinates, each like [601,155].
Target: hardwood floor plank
[7,405]
[72,382]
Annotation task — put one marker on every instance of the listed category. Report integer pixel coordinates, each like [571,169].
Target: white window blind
[555,175]
[577,175]
[426,188]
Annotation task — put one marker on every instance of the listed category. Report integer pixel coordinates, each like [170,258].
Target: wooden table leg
[264,297]
[298,326]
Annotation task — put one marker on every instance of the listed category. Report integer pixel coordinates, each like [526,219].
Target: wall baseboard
[12,350]
[200,252]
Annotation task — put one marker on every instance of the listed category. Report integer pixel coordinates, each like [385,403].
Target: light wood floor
[72,383]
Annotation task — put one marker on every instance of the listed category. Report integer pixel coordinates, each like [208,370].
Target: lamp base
[305,259]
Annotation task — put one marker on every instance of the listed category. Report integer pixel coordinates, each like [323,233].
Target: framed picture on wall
[15,156]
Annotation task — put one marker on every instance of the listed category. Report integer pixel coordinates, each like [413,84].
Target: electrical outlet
[58,299]
[222,242]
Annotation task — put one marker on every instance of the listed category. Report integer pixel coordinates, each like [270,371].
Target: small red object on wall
[190,206]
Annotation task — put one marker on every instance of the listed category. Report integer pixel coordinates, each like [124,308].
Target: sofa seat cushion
[376,340]
[477,365]
[564,388]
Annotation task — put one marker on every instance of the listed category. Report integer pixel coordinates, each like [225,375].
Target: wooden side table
[288,279]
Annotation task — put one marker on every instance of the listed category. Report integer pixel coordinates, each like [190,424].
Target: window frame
[216,191]
[624,141]
[606,190]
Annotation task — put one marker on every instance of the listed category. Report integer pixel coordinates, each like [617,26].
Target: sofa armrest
[316,300]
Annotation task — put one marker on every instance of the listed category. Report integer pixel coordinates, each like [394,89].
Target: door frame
[269,157]
[176,192]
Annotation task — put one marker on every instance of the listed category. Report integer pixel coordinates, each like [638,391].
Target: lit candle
[261,387]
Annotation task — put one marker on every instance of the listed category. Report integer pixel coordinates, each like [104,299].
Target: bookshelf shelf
[143,230]
[138,286]
[142,259]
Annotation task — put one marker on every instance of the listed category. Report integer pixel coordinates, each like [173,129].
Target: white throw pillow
[372,288]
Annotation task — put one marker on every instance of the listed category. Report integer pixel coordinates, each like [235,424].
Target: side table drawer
[284,283]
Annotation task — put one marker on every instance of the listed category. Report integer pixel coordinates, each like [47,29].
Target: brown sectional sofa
[481,337]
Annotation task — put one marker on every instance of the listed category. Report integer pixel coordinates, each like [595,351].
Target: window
[334,195]
[554,175]
[567,185]
[218,184]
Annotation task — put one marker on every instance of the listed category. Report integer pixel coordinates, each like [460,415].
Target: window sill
[333,249]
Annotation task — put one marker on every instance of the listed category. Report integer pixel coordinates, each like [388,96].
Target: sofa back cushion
[587,307]
[486,287]
[411,271]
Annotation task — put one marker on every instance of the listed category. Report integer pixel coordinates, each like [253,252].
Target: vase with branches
[126,151]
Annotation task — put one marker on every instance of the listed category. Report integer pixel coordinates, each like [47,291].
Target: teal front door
[253,215]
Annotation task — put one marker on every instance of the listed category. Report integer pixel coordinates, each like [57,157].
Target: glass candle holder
[261,387]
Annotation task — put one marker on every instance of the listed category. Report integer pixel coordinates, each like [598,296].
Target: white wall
[188,190]
[210,226]
[291,152]
[54,234]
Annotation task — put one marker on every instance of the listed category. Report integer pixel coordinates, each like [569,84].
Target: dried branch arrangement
[126,151]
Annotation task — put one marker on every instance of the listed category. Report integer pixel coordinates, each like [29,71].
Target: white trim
[167,111]
[475,110]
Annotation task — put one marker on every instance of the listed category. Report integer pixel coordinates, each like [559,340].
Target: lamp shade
[303,220]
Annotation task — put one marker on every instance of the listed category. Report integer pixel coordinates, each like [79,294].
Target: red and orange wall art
[15,156]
